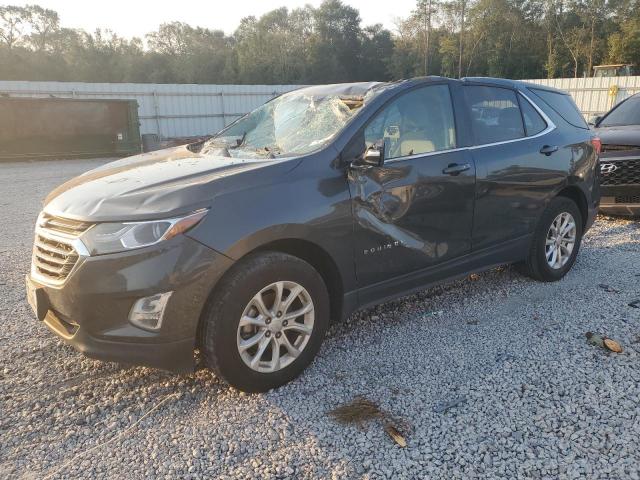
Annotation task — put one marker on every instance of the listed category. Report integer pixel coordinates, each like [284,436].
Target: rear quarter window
[563,105]
[533,122]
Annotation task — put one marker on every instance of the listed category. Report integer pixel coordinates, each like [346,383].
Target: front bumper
[90,310]
[620,181]
[620,200]
[592,213]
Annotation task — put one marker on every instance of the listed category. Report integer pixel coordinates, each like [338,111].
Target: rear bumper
[90,311]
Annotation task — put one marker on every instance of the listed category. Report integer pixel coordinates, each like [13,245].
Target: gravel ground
[532,399]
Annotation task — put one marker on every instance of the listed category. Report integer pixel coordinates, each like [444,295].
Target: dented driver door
[415,211]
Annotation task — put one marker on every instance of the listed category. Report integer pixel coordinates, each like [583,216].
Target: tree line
[454,38]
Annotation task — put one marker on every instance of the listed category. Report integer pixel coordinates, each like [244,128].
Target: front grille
[54,255]
[628,199]
[64,226]
[626,172]
[618,148]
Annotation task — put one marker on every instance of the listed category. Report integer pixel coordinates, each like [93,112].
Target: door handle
[548,149]
[360,167]
[456,168]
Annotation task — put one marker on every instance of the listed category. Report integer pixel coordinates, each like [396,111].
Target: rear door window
[495,114]
[563,105]
[533,121]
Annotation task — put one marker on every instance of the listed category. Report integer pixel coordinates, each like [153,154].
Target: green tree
[274,47]
[335,48]
[422,20]
[376,50]
[191,54]
[12,22]
[624,46]
[506,38]
[44,25]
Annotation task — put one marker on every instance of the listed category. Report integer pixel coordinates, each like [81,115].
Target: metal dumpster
[67,128]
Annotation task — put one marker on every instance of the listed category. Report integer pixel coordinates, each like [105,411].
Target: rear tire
[560,222]
[243,309]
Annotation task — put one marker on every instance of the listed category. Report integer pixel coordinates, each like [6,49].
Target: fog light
[147,312]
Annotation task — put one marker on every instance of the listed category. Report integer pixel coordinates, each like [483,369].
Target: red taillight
[597,144]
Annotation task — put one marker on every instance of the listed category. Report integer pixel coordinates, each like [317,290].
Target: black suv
[619,132]
[322,201]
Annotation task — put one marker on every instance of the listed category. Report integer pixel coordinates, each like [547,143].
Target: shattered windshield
[292,124]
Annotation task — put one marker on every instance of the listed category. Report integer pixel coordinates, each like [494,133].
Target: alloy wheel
[275,327]
[561,239]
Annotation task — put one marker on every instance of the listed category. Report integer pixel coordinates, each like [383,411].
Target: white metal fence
[165,109]
[188,110]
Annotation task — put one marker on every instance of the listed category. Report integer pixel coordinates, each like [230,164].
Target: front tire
[265,322]
[556,241]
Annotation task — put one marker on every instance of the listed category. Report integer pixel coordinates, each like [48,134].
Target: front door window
[417,122]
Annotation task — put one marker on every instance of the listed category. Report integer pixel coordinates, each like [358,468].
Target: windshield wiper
[239,141]
[221,142]
[273,151]
[268,151]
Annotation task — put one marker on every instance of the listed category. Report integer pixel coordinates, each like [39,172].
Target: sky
[131,18]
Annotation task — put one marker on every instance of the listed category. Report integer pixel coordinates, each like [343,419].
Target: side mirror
[373,156]
[593,121]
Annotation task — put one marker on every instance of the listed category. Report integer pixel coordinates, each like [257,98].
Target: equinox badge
[380,248]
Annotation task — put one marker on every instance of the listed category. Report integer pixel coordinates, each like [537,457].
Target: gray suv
[322,201]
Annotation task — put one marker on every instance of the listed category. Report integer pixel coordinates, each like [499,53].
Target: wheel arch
[312,253]
[319,259]
[573,192]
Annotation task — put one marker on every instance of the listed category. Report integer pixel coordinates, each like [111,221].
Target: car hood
[146,186]
[621,135]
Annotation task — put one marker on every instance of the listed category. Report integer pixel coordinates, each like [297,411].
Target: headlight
[117,237]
